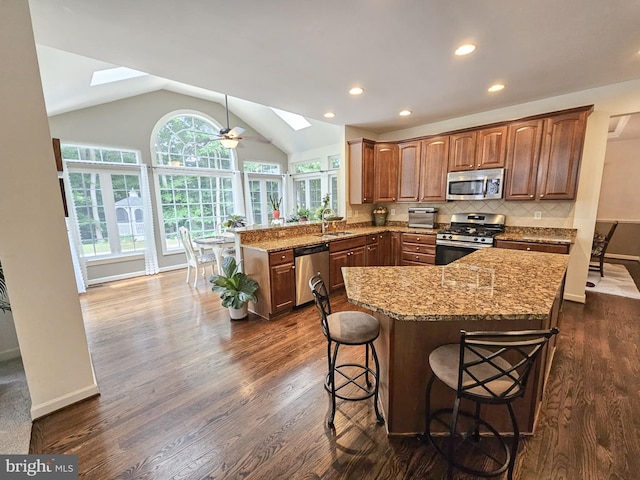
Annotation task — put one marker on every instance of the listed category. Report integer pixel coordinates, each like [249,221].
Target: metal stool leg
[514,445]
[332,382]
[377,386]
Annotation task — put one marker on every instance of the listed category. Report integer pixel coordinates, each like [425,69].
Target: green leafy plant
[275,201]
[235,288]
[4,299]
[303,212]
[235,221]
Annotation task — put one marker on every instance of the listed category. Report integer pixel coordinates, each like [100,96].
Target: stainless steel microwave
[475,184]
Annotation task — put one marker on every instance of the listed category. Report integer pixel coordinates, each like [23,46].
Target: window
[313,179]
[261,181]
[106,191]
[194,178]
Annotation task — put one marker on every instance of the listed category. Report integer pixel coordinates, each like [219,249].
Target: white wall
[33,241]
[8,339]
[619,193]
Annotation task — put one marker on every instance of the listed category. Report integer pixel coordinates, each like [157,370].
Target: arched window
[194,177]
[122,216]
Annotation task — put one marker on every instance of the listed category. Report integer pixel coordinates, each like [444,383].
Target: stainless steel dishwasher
[309,261]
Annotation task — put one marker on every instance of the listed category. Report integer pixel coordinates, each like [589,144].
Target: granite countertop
[490,283]
[539,235]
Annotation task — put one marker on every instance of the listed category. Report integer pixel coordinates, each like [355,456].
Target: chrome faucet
[322,217]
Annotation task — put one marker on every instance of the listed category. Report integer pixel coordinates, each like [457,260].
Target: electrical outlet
[393,211]
[537,215]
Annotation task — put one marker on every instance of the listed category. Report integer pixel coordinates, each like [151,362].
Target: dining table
[217,245]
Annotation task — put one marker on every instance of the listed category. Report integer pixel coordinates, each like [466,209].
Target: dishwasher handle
[310,249]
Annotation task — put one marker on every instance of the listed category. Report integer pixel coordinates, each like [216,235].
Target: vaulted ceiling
[304,56]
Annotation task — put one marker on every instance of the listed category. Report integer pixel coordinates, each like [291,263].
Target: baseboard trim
[125,276]
[51,406]
[9,354]
[575,298]
[619,256]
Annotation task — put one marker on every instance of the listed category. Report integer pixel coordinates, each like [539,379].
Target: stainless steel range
[467,232]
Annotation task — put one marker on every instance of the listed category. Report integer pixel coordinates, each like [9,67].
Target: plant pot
[239,313]
[276,214]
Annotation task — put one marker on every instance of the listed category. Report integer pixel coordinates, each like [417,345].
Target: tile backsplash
[557,214]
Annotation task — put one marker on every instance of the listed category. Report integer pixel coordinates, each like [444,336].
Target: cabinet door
[372,255]
[462,151]
[396,249]
[560,156]
[433,174]
[337,260]
[491,147]
[523,154]
[385,256]
[533,247]
[283,284]
[361,180]
[409,172]
[358,257]
[386,172]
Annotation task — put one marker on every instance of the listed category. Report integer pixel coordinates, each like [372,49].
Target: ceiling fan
[230,137]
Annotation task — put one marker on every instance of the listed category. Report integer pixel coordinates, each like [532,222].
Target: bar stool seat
[347,381]
[486,368]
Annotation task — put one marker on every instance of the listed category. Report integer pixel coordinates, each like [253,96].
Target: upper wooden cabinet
[385,172]
[462,151]
[560,156]
[433,175]
[491,147]
[361,171]
[523,155]
[543,157]
[409,172]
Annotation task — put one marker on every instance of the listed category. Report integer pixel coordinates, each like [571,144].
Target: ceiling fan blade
[236,131]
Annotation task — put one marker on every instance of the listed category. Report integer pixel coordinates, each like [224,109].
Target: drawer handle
[417,248]
[284,256]
[528,249]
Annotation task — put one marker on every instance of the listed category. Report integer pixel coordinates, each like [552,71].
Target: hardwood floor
[187,394]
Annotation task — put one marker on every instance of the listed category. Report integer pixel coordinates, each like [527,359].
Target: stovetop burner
[472,229]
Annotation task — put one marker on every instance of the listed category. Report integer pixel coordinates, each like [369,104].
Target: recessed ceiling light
[329,115]
[465,49]
[496,87]
[356,91]
[405,113]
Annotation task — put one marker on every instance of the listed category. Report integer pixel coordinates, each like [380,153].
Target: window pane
[300,187]
[87,197]
[129,212]
[93,154]
[315,193]
[334,161]
[256,167]
[333,182]
[306,167]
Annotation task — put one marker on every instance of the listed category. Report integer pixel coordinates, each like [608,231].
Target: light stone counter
[488,284]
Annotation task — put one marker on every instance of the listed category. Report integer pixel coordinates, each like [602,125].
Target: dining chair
[599,248]
[195,259]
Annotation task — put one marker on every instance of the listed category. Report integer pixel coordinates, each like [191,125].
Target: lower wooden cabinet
[418,249]
[275,273]
[350,252]
[372,251]
[533,246]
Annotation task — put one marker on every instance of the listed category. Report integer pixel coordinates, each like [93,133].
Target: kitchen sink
[335,234]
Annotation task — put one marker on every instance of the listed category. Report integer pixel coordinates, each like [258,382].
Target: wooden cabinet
[433,174]
[385,172]
[345,253]
[361,171]
[418,249]
[385,249]
[462,151]
[409,172]
[543,157]
[372,251]
[275,273]
[491,147]
[560,156]
[523,154]
[533,246]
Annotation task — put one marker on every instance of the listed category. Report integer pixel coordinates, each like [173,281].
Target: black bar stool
[487,368]
[347,328]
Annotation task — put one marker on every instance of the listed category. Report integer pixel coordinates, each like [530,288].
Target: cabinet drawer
[533,247]
[418,238]
[418,248]
[346,244]
[373,238]
[279,258]
[421,258]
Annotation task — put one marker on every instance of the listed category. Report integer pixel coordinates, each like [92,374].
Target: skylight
[116,74]
[295,121]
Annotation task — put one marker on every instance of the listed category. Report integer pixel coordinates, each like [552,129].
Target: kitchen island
[421,308]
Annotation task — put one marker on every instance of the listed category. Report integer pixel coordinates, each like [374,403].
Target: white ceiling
[303,56]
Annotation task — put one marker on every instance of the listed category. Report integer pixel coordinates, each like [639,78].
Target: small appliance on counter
[422,217]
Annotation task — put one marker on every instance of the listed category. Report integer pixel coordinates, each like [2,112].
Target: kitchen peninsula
[421,308]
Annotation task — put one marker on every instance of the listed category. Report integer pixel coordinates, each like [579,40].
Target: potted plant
[235,221]
[303,214]
[235,288]
[275,201]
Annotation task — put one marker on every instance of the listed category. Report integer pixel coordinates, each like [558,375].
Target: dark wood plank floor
[187,394]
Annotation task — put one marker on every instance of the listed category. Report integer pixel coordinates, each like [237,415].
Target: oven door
[447,252]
